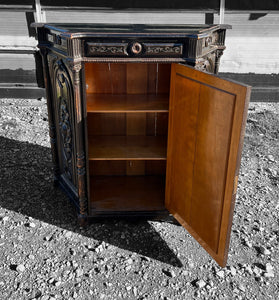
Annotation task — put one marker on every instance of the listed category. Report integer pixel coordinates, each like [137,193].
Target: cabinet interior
[127,124]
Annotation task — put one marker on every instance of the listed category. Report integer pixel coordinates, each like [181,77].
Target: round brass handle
[136,48]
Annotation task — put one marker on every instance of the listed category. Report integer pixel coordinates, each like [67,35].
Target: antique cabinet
[141,126]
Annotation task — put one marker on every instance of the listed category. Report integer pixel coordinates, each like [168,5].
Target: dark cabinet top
[130,30]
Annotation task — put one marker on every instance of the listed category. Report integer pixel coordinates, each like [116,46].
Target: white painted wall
[252,45]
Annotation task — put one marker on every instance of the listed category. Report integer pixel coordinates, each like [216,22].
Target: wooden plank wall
[252,44]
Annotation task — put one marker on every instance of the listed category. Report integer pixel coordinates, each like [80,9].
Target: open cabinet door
[207,119]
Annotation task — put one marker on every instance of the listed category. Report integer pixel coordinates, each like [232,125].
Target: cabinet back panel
[127,124]
[157,124]
[130,78]
[121,168]
[106,124]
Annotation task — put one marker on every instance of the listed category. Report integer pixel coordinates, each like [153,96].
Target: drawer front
[134,49]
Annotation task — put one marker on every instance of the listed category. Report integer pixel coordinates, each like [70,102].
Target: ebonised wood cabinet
[137,129]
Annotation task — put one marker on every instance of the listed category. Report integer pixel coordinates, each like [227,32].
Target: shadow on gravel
[27,188]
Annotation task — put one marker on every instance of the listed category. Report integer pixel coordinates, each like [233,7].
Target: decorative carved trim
[202,65]
[74,48]
[134,59]
[81,163]
[81,171]
[107,49]
[66,135]
[75,67]
[163,49]
[120,49]
[206,64]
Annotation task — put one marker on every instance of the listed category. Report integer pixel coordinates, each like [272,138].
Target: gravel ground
[44,255]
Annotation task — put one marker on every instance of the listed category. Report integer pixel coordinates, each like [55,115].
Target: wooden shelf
[108,103]
[127,147]
[127,193]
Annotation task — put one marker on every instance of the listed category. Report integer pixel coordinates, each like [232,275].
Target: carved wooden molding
[207,64]
[163,49]
[107,49]
[123,49]
[81,163]
[81,172]
[66,135]
[75,67]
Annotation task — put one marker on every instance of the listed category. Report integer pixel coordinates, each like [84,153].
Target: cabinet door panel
[206,126]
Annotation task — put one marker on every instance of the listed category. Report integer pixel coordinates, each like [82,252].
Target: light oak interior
[127,121]
[137,122]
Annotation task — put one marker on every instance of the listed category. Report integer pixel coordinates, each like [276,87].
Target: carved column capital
[75,67]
